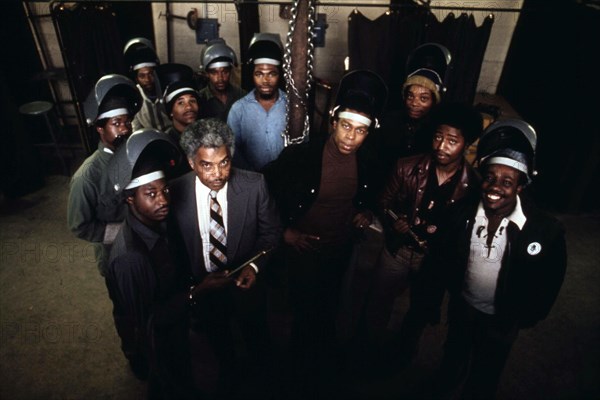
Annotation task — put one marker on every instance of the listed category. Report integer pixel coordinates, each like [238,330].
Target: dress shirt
[203,206]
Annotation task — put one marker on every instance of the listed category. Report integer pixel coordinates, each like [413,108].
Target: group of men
[190,220]
[172,100]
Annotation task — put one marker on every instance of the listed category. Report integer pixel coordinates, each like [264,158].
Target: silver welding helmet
[112,94]
[509,142]
[217,54]
[426,66]
[137,42]
[144,145]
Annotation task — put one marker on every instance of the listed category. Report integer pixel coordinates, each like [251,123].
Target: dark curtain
[550,78]
[91,43]
[91,47]
[467,43]
[383,45]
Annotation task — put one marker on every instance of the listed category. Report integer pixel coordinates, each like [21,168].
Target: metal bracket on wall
[321,26]
[206,28]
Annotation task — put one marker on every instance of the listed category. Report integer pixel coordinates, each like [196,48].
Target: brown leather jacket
[404,191]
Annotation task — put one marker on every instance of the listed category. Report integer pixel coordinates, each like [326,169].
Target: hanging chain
[287,71]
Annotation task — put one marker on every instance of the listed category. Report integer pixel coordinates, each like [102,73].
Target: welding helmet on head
[144,145]
[173,72]
[139,53]
[427,66]
[112,95]
[363,91]
[216,55]
[265,48]
[510,142]
[176,89]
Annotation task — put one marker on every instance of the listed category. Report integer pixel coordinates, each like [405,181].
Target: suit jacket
[252,222]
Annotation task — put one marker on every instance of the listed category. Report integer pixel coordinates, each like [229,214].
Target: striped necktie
[218,237]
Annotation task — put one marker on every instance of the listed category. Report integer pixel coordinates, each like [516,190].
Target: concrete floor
[57,339]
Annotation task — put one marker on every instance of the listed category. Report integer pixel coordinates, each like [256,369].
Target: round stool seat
[36,108]
[40,107]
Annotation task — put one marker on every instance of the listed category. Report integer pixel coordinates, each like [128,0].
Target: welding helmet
[427,66]
[217,54]
[265,48]
[363,91]
[112,95]
[144,145]
[139,53]
[509,142]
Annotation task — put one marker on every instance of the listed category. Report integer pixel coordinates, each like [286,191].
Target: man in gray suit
[251,226]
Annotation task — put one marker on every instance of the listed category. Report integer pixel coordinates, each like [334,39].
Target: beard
[268,96]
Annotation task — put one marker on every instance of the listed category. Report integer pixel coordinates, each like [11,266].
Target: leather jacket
[406,186]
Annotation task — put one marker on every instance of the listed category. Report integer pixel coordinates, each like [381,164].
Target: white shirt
[483,267]
[203,208]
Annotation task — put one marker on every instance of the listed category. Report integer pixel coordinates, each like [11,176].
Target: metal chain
[287,71]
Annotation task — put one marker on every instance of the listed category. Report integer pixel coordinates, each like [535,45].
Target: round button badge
[534,248]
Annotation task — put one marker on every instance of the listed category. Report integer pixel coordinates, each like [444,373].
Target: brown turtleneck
[330,216]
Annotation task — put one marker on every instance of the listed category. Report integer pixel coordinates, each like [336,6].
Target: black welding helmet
[265,48]
[143,146]
[176,89]
[363,91]
[112,95]
[217,54]
[509,142]
[426,66]
[139,53]
[173,72]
